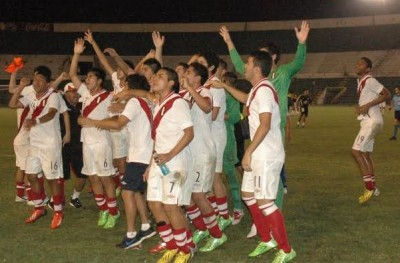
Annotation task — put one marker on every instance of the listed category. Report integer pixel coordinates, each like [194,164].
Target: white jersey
[139,128]
[202,142]
[25,91]
[22,137]
[91,135]
[47,134]
[263,99]
[368,89]
[219,101]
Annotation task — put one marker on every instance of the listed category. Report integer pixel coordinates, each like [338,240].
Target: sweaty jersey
[368,89]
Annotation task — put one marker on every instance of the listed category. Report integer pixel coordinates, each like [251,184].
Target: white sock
[75,194]
[145,227]
[130,234]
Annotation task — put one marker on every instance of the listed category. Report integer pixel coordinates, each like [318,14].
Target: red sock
[213,203]
[373,180]
[165,233]
[222,203]
[28,190]
[180,239]
[101,202]
[189,239]
[369,184]
[112,206]
[195,215]
[262,229]
[60,183]
[57,202]
[20,189]
[273,217]
[117,180]
[212,225]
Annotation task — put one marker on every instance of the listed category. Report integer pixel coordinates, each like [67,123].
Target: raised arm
[13,83]
[63,76]
[151,54]
[203,102]
[14,101]
[158,41]
[79,47]
[120,62]
[237,61]
[103,60]
[237,94]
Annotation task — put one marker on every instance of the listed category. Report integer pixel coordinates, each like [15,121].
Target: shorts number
[172,186]
[198,177]
[105,164]
[360,139]
[257,180]
[54,166]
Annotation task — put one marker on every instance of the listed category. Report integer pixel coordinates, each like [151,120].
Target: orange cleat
[36,214]
[57,220]
[158,248]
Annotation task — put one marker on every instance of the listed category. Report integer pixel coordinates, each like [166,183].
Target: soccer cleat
[36,214]
[199,235]
[182,257]
[57,220]
[237,217]
[377,192]
[75,203]
[20,199]
[103,217]
[282,257]
[392,138]
[111,221]
[147,233]
[30,203]
[224,223]
[367,195]
[168,256]
[158,248]
[253,231]
[263,247]
[213,243]
[127,243]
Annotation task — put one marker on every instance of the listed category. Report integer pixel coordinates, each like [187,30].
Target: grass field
[324,221]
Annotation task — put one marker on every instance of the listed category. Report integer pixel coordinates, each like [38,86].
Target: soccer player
[396,105]
[203,152]
[303,101]
[96,143]
[218,198]
[370,93]
[264,157]
[172,132]
[44,154]
[232,116]
[72,152]
[136,114]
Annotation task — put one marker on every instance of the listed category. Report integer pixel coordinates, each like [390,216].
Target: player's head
[137,81]
[95,78]
[196,72]
[397,91]
[71,94]
[120,73]
[149,68]
[222,68]
[258,65]
[305,91]
[41,78]
[181,69]
[229,78]
[273,50]
[210,60]
[363,66]
[165,79]
[44,71]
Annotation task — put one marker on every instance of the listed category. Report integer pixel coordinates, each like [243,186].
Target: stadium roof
[173,11]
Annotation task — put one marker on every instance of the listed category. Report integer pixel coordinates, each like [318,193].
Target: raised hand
[89,36]
[215,84]
[224,33]
[302,33]
[158,39]
[79,46]
[111,52]
[24,81]
[151,54]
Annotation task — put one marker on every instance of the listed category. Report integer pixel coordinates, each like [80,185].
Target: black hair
[243,85]
[153,64]
[99,73]
[183,64]
[172,75]
[273,49]
[129,63]
[137,81]
[230,77]
[44,71]
[211,58]
[223,64]
[367,61]
[262,60]
[201,71]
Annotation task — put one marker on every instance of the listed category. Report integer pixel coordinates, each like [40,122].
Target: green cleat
[213,243]
[282,257]
[263,247]
[224,223]
[103,217]
[199,235]
[111,221]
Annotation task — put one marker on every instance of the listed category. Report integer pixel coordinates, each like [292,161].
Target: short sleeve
[54,101]
[374,86]
[131,109]
[264,100]
[83,90]
[182,113]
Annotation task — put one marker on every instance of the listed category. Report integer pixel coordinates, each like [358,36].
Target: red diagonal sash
[254,94]
[145,108]
[23,117]
[362,85]
[38,110]
[96,101]
[164,109]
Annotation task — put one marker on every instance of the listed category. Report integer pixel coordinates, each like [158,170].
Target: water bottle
[163,167]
